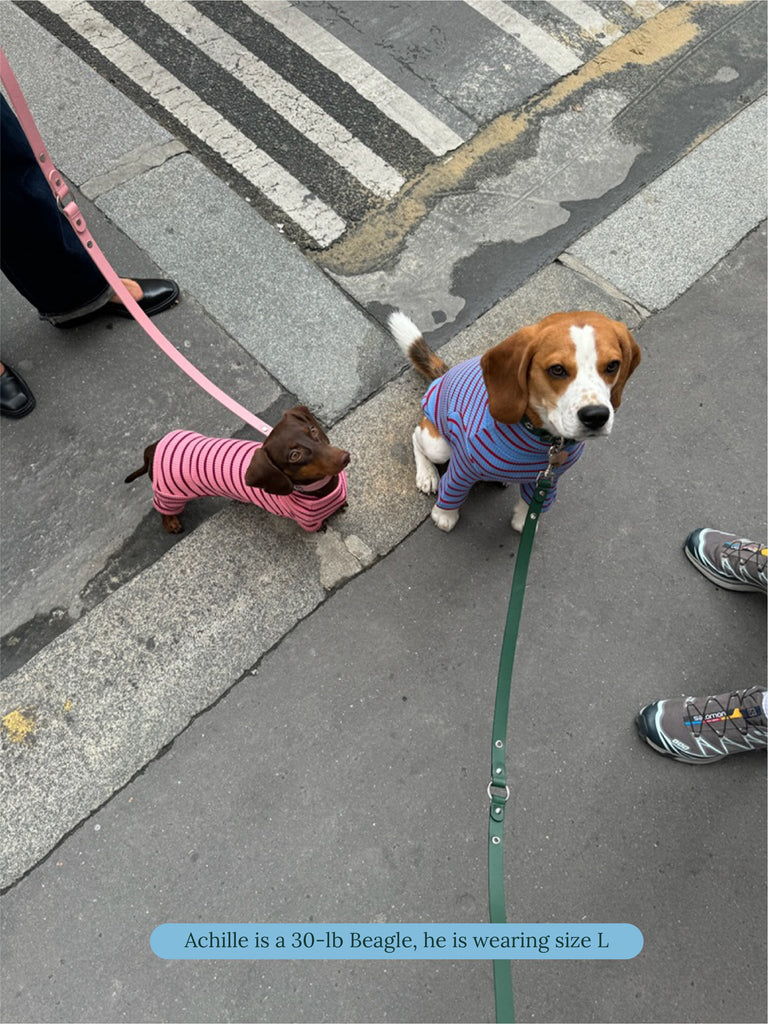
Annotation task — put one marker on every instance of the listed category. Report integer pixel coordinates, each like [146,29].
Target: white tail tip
[403,330]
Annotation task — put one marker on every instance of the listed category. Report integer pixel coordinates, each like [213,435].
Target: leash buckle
[498,804]
[66,203]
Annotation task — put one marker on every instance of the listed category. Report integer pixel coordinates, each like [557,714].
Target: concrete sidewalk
[301,734]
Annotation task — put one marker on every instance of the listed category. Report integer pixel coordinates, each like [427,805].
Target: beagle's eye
[294,455]
[558,370]
[613,367]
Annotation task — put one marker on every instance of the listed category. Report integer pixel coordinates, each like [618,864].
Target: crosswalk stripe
[307,74]
[540,43]
[316,218]
[291,104]
[589,19]
[321,175]
[391,100]
[645,8]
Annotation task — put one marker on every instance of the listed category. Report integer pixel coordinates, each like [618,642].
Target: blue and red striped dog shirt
[481,447]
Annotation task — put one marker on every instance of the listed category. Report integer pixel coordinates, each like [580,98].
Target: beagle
[295,473]
[496,416]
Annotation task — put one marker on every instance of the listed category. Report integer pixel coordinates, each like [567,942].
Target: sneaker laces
[717,716]
[747,554]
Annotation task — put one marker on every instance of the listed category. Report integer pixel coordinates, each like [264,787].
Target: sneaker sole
[715,577]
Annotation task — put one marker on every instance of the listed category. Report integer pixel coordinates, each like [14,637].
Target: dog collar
[544,435]
[309,488]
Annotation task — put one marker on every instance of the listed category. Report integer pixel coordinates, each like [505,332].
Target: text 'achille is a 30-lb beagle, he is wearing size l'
[495,417]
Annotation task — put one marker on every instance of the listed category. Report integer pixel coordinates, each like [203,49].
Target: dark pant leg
[39,252]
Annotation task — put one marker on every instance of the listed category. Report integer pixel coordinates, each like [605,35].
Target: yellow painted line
[379,236]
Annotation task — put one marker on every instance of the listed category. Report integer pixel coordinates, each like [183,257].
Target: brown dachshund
[295,473]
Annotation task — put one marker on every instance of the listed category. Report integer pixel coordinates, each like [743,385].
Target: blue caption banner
[396,941]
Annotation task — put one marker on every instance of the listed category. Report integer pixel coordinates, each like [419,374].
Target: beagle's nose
[594,416]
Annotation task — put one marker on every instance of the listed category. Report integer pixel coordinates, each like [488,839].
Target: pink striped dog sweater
[481,447]
[188,465]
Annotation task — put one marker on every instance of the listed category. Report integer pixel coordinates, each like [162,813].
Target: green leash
[498,788]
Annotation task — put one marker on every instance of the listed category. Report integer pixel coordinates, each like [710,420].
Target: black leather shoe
[157,296]
[16,400]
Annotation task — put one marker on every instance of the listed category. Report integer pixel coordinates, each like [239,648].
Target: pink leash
[70,209]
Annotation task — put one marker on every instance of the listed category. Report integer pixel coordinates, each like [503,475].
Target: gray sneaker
[732,562]
[697,730]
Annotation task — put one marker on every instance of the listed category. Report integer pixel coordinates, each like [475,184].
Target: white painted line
[540,43]
[644,8]
[371,84]
[280,187]
[588,19]
[286,100]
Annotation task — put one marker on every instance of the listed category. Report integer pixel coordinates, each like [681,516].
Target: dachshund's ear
[263,473]
[505,371]
[302,412]
[630,360]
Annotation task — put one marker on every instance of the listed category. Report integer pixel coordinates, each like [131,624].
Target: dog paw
[427,479]
[445,518]
[519,513]
[172,524]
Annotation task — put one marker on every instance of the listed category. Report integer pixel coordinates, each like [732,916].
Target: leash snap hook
[555,458]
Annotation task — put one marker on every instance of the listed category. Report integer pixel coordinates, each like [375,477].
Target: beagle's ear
[505,370]
[630,360]
[264,474]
